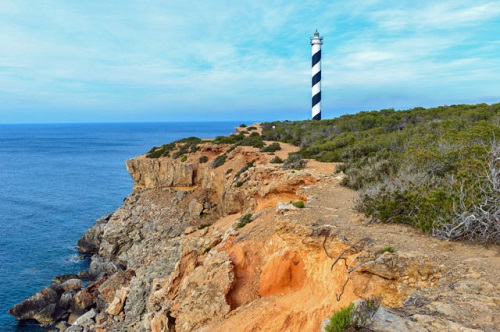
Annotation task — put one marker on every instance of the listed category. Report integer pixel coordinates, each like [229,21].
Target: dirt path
[452,286]
[468,290]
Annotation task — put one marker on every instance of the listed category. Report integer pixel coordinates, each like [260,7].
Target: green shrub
[341,320]
[219,160]
[163,150]
[203,159]
[244,169]
[243,125]
[271,147]
[184,158]
[429,168]
[276,160]
[204,225]
[294,161]
[251,128]
[386,249]
[244,220]
[299,204]
[239,183]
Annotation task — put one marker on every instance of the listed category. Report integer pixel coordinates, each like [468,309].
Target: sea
[55,181]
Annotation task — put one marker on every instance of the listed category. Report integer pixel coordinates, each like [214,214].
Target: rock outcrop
[202,248]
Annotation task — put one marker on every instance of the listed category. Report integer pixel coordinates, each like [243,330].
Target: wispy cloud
[252,56]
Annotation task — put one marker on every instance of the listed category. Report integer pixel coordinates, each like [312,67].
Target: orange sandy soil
[296,289]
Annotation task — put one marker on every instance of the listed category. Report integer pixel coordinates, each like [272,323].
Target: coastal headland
[223,238]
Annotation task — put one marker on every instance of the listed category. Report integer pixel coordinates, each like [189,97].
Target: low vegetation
[341,319]
[181,147]
[273,147]
[299,204]
[436,169]
[386,249]
[244,220]
[254,140]
[202,226]
[219,160]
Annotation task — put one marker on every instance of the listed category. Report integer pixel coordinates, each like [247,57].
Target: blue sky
[148,60]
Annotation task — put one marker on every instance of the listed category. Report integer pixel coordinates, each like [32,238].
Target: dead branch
[338,296]
[324,247]
[356,247]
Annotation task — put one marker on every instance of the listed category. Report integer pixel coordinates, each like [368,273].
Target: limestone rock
[195,209]
[118,280]
[202,294]
[116,306]
[91,240]
[42,307]
[84,299]
[72,284]
[150,173]
[66,298]
[86,319]
[101,266]
[384,266]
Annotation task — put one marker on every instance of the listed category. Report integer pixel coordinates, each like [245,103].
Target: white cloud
[199,54]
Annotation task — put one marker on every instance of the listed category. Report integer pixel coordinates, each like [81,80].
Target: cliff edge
[249,246]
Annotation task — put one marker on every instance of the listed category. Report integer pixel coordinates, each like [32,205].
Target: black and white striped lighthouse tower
[316,43]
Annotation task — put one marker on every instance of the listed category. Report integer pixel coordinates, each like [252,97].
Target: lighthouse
[316,43]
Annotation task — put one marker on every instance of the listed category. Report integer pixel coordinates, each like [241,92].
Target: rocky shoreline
[143,241]
[201,248]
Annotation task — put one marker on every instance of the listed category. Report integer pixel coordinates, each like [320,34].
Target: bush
[219,160]
[271,147]
[276,160]
[243,125]
[294,161]
[204,225]
[203,159]
[244,169]
[341,320]
[299,204]
[251,128]
[386,249]
[254,140]
[244,220]
[184,158]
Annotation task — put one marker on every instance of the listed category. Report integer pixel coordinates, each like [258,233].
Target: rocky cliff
[203,248]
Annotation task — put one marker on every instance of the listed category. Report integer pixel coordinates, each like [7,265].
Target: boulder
[116,281]
[72,284]
[65,277]
[84,299]
[86,319]
[101,266]
[65,299]
[90,241]
[42,307]
[116,306]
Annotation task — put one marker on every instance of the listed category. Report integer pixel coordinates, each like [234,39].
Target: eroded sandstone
[175,257]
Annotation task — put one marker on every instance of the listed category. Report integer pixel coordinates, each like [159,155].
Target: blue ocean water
[55,181]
